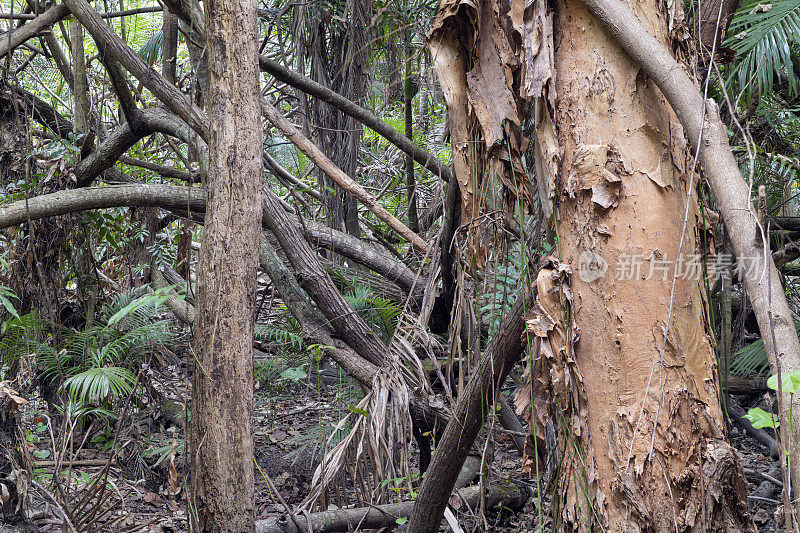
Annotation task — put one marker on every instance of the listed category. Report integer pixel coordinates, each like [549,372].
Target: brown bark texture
[222,397]
[627,352]
[703,126]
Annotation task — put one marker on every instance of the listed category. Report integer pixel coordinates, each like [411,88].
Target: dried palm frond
[378,447]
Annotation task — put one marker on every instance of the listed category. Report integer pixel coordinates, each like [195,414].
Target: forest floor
[145,487]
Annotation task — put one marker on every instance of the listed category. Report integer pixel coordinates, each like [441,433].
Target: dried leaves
[10,401]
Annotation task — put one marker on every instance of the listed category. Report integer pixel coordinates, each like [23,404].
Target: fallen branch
[737,414]
[77,462]
[387,515]
[344,181]
[297,80]
[746,385]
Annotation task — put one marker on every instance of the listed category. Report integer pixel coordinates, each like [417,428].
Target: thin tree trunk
[169,46]
[339,59]
[80,89]
[112,47]
[724,343]
[471,412]
[409,90]
[222,401]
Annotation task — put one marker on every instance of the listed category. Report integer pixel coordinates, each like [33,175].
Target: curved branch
[171,197]
[30,29]
[148,121]
[179,199]
[112,46]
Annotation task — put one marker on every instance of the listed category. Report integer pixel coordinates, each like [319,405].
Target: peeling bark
[641,429]
[701,120]
[476,58]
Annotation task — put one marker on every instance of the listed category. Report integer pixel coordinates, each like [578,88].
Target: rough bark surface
[701,120]
[641,428]
[222,400]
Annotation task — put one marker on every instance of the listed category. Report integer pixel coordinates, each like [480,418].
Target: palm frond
[98,384]
[752,359]
[762,35]
[379,313]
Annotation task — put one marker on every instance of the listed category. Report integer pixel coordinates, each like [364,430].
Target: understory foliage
[96,365]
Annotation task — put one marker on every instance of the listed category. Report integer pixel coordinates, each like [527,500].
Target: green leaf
[41,454]
[151,50]
[294,374]
[156,298]
[358,411]
[7,303]
[98,384]
[762,419]
[762,36]
[790,382]
[402,520]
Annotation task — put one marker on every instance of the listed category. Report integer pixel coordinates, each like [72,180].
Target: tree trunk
[222,403]
[703,125]
[642,432]
[169,46]
[409,91]
[80,89]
